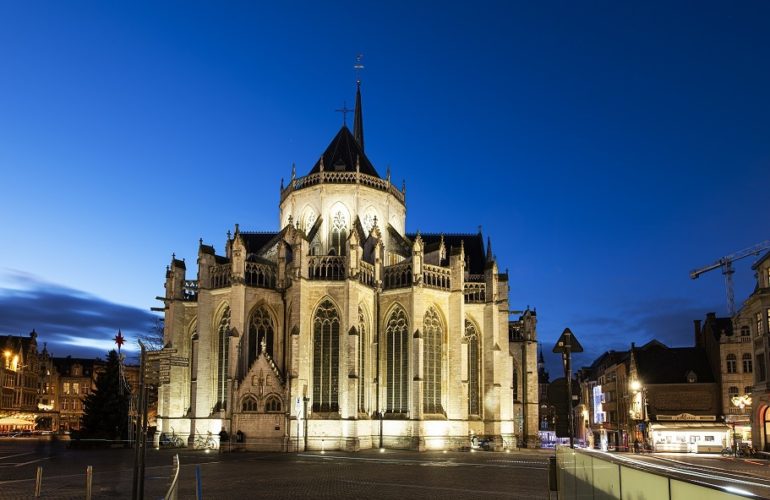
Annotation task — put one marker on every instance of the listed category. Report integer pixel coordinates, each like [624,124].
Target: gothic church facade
[343,331]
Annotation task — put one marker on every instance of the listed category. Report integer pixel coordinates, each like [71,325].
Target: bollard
[552,473]
[89,480]
[198,483]
[38,481]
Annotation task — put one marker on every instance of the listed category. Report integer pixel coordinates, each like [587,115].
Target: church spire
[358,120]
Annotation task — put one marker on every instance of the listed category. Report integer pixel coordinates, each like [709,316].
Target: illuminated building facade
[344,331]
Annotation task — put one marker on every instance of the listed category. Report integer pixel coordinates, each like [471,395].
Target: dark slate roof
[255,242]
[658,364]
[64,365]
[341,155]
[16,343]
[472,243]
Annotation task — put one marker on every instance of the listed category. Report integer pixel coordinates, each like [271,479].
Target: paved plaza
[366,474]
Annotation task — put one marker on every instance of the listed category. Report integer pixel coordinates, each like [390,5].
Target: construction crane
[726,264]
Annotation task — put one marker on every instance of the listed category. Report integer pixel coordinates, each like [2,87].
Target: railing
[190,290]
[219,275]
[326,267]
[333,177]
[436,277]
[366,276]
[260,275]
[397,276]
[475,293]
[588,474]
[475,278]
[172,493]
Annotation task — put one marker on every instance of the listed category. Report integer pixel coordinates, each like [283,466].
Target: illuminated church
[344,331]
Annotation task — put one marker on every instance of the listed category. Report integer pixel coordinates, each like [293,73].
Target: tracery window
[326,358]
[223,358]
[732,363]
[339,234]
[362,346]
[273,404]
[748,366]
[432,350]
[249,404]
[309,221]
[474,383]
[260,328]
[397,355]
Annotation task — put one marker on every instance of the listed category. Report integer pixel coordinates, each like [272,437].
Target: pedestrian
[223,438]
[636,446]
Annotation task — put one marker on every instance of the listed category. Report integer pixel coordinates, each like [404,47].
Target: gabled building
[754,318]
[343,330]
[730,354]
[675,398]
[19,380]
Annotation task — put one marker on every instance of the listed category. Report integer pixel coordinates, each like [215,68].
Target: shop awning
[15,421]
[691,426]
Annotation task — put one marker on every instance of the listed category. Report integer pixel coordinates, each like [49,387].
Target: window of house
[733,391]
[760,359]
[273,404]
[397,362]
[326,357]
[432,348]
[474,385]
[748,389]
[260,328]
[745,331]
[362,346]
[732,363]
[249,404]
[66,388]
[759,324]
[75,388]
[223,358]
[747,364]
[339,234]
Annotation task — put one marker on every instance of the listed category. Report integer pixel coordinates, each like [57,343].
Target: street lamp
[639,408]
[741,402]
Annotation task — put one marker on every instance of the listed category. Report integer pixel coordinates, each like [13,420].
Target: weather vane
[344,110]
[358,67]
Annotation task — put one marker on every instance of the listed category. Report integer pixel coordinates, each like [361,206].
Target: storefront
[689,437]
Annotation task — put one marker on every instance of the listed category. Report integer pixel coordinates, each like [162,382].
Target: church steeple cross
[344,110]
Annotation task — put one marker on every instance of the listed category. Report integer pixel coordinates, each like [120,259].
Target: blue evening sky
[607,148]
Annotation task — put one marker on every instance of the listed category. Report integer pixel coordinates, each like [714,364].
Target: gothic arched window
[474,382]
[339,234]
[273,404]
[223,358]
[260,328]
[432,351]
[362,346]
[249,404]
[397,355]
[326,358]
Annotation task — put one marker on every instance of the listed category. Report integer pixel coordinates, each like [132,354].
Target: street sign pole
[566,345]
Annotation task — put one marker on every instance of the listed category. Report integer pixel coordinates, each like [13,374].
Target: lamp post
[740,402]
[639,411]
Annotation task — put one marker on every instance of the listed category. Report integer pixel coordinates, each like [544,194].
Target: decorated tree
[106,407]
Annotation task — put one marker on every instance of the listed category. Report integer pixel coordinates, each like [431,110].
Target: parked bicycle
[205,443]
[172,441]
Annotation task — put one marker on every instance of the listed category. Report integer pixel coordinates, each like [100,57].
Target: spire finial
[489,248]
[344,110]
[293,170]
[358,120]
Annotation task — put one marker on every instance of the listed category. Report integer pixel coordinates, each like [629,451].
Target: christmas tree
[106,407]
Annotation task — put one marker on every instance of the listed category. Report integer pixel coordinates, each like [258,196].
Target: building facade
[754,318]
[19,381]
[343,331]
[730,353]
